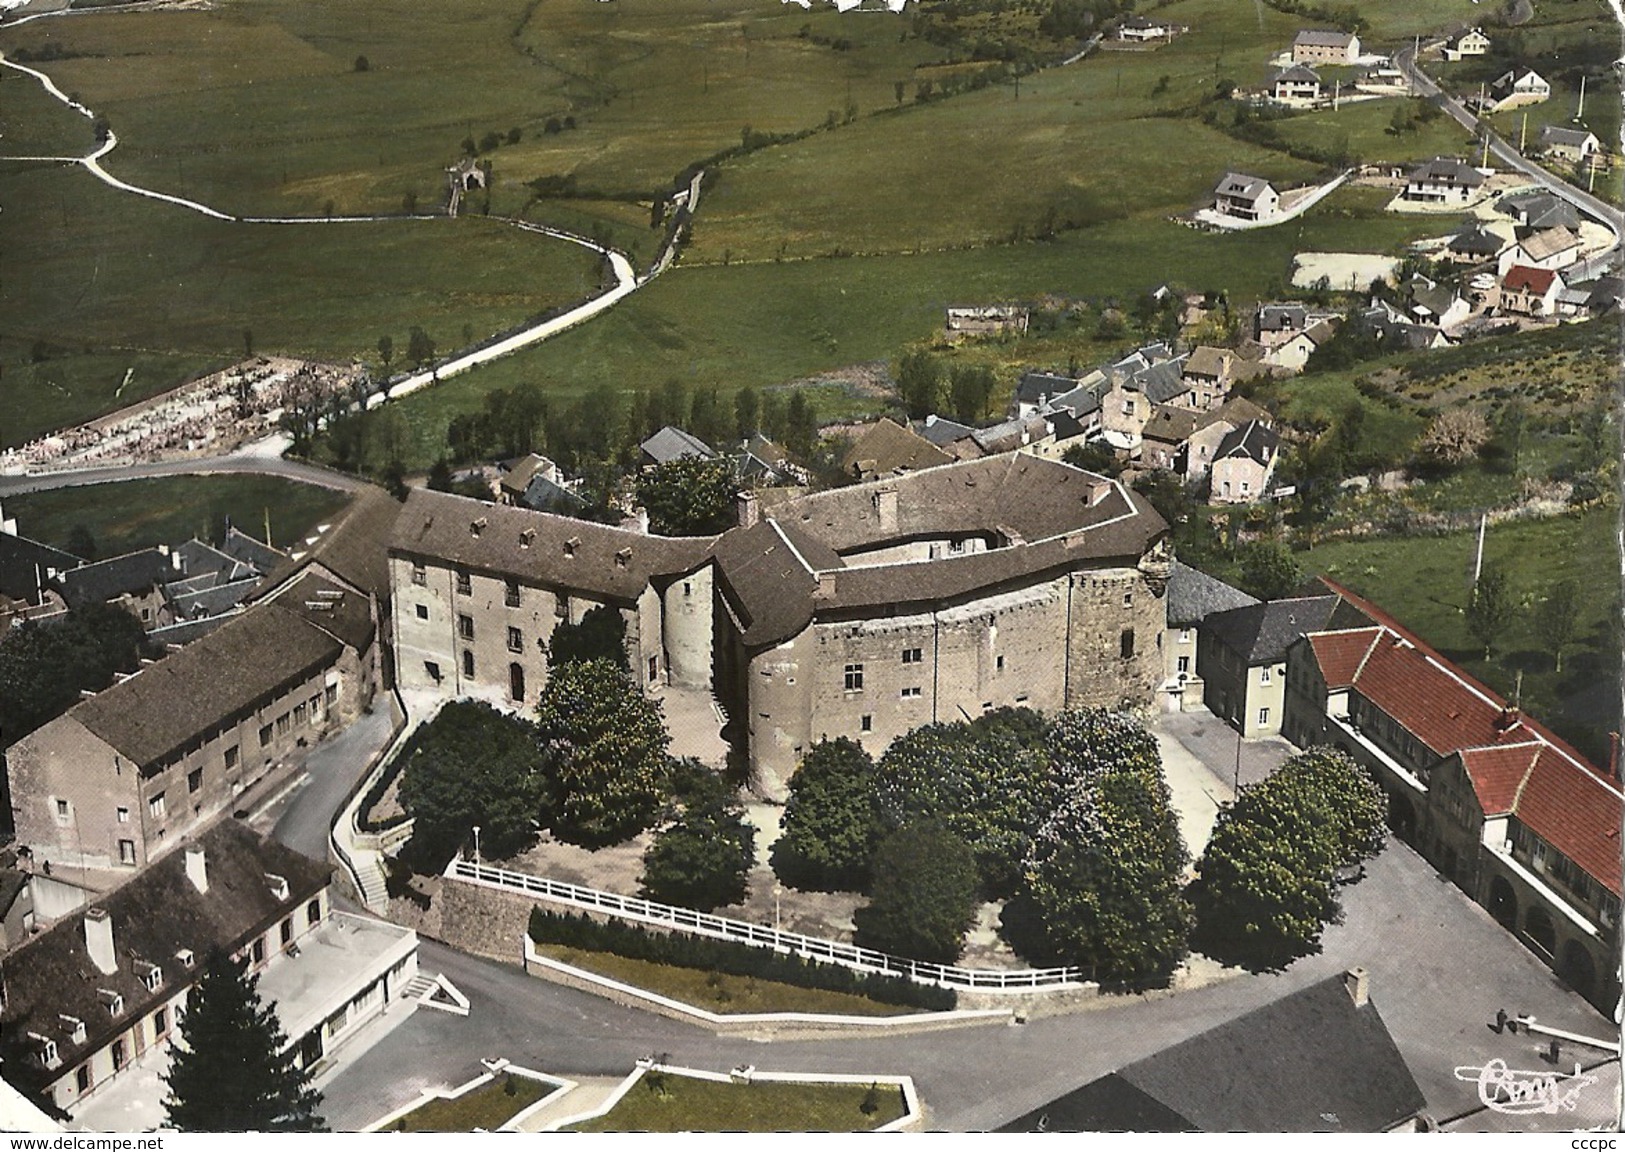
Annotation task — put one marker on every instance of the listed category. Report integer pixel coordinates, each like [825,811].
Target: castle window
[82,1078]
[910,693]
[468,664]
[510,594]
[866,723]
[911,655]
[194,780]
[854,677]
[126,851]
[465,584]
[156,807]
[420,574]
[561,607]
[234,756]
[423,611]
[516,682]
[516,640]
[465,627]
[123,815]
[431,670]
[998,664]
[265,735]
[62,810]
[1128,598]
[1125,643]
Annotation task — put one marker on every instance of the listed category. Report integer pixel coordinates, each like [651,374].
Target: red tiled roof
[1520,278]
[1497,774]
[1431,701]
[1370,610]
[1575,812]
[1339,654]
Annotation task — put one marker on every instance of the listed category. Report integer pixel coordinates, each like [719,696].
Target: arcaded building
[863,611]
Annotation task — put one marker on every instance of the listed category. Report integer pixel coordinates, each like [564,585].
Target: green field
[1365,129]
[1424,581]
[666,1102]
[486,1108]
[171,510]
[35,123]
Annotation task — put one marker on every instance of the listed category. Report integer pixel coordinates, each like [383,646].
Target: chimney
[748,511]
[197,870]
[1358,985]
[886,508]
[99,940]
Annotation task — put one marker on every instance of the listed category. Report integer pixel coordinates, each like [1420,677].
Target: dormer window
[45,1050]
[527,537]
[74,1027]
[279,885]
[476,527]
[186,958]
[151,975]
[570,547]
[623,557]
[112,1001]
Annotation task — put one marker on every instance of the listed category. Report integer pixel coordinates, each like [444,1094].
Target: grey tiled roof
[672,443]
[122,575]
[1254,440]
[1193,596]
[1322,38]
[24,564]
[1261,632]
[1240,186]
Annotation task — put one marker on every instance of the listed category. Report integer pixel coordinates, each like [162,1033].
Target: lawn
[487,1108]
[665,1102]
[1366,126]
[717,992]
[123,282]
[33,123]
[1424,582]
[172,509]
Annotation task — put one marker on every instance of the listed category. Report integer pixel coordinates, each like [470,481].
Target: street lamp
[476,845]
[778,890]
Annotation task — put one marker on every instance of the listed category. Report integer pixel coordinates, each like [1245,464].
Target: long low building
[864,611]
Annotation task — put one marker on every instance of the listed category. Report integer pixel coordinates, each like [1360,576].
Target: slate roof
[613,563]
[1535,281]
[941,431]
[1309,1062]
[1549,242]
[768,568]
[255,553]
[1297,74]
[672,443]
[1008,435]
[1282,317]
[1208,362]
[342,614]
[1240,186]
[1540,210]
[166,705]
[1033,387]
[1081,401]
[122,575]
[354,547]
[1448,171]
[211,601]
[1169,425]
[887,447]
[1476,240]
[155,915]
[543,495]
[1160,382]
[23,562]
[201,559]
[1322,38]
[1254,440]
[1193,596]
[1552,134]
[1260,633]
[1235,411]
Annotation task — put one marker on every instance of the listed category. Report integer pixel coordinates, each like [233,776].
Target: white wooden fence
[762,936]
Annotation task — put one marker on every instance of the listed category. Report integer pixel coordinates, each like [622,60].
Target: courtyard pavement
[1439,968]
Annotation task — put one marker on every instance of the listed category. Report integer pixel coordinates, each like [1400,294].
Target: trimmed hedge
[683,951]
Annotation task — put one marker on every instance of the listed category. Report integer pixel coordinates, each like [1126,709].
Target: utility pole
[1478,562]
[1581,110]
[1523,131]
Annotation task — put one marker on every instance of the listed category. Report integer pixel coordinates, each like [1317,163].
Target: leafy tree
[830,826]
[604,746]
[971,386]
[1096,457]
[1490,608]
[689,496]
[747,412]
[919,383]
[440,476]
[386,346]
[924,895]
[701,859]
[1454,437]
[1269,571]
[601,635]
[45,667]
[800,426]
[490,142]
[1269,875]
[514,135]
[1557,617]
[982,784]
[419,347]
[472,765]
[232,1074]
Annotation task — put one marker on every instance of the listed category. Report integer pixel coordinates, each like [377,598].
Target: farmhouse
[1297,83]
[1465,42]
[1518,88]
[1246,197]
[1321,47]
[1538,210]
[1243,464]
[1443,180]
[1552,248]
[862,611]
[1530,291]
[1573,145]
[986,320]
[86,998]
[1515,817]
[1139,29]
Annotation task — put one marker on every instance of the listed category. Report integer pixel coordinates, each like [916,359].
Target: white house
[1297,83]
[1466,42]
[1518,88]
[1576,146]
[1443,180]
[1549,248]
[1246,197]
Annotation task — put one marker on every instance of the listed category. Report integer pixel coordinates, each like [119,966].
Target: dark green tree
[971,387]
[419,347]
[1269,570]
[747,412]
[386,345]
[801,426]
[919,383]
[45,667]
[440,475]
[601,635]
[830,826]
[702,858]
[1557,617]
[689,496]
[982,784]
[604,746]
[232,1075]
[924,895]
[1490,608]
[473,766]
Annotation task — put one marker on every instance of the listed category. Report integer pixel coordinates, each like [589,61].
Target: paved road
[244,461]
[304,816]
[1405,60]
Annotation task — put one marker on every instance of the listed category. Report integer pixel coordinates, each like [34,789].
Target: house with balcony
[1513,815]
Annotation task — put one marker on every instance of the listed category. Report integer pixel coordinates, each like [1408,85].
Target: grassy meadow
[663,1102]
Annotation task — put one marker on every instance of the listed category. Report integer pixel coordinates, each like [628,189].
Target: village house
[1518,88]
[1243,464]
[1139,29]
[1475,244]
[1246,197]
[1293,352]
[1551,248]
[83,1001]
[1208,372]
[1193,596]
[672,443]
[1530,291]
[1433,304]
[1515,817]
[862,611]
[760,463]
[1443,180]
[986,320]
[1312,46]
[1296,84]
[1465,42]
[1241,659]
[1538,211]
[1570,145]
[1197,452]
[886,448]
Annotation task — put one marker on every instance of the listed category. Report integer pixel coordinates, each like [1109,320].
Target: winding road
[627,280]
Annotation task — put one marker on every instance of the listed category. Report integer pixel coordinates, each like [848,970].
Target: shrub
[924,895]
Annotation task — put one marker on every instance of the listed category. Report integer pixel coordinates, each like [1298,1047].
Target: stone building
[864,611]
